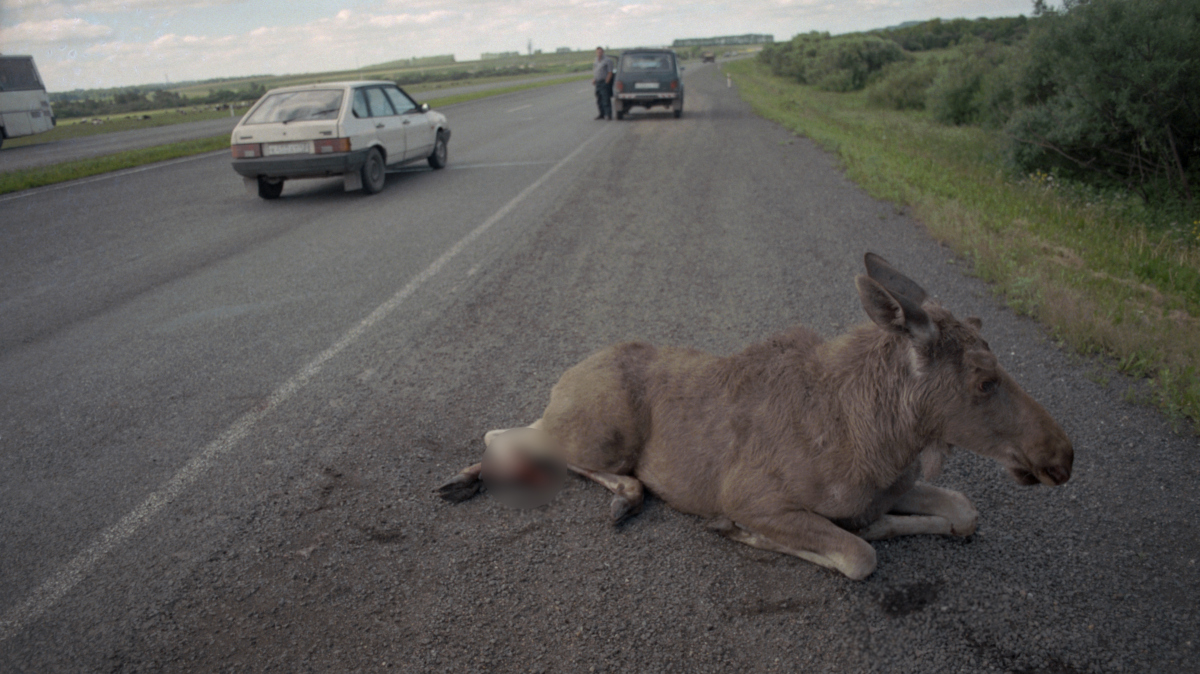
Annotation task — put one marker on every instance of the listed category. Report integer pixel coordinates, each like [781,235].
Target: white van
[24,105]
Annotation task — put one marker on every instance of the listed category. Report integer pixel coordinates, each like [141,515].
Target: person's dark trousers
[604,98]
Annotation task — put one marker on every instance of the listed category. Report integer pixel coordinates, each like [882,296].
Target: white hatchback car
[352,129]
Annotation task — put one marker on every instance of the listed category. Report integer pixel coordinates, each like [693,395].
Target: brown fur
[801,445]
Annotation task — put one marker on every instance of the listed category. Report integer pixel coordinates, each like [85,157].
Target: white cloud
[156,6]
[36,33]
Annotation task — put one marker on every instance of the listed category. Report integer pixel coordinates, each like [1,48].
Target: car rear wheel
[268,189]
[437,159]
[679,113]
[373,172]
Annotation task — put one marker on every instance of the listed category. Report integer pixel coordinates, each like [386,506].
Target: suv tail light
[247,151]
[331,145]
[620,86]
[674,85]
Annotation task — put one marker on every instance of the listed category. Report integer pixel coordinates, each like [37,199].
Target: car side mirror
[424,107]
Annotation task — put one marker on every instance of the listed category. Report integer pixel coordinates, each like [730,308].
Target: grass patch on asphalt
[1106,275]
[13,181]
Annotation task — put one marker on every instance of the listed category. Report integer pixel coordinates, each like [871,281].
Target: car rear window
[297,106]
[644,63]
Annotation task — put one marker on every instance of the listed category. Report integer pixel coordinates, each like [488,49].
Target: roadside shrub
[974,88]
[1111,94]
[902,85]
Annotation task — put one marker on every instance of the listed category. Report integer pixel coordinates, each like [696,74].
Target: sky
[83,44]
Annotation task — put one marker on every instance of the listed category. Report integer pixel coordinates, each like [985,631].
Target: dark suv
[648,77]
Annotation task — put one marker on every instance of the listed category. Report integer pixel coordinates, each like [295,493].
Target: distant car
[709,57]
[648,78]
[352,129]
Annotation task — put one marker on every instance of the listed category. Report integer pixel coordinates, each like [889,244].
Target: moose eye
[989,386]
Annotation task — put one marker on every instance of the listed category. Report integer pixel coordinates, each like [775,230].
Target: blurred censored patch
[520,470]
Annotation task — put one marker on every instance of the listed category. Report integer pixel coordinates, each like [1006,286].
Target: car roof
[648,51]
[344,84]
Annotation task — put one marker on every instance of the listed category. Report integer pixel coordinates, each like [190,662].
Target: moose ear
[896,283]
[892,312]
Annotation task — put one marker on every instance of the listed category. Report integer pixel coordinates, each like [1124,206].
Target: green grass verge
[13,181]
[1080,263]
[463,98]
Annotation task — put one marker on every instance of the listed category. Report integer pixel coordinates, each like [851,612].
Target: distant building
[563,50]
[486,56]
[725,41]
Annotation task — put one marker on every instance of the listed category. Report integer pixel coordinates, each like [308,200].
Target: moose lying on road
[800,445]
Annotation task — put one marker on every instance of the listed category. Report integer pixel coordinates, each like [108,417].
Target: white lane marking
[520,108]
[107,176]
[62,582]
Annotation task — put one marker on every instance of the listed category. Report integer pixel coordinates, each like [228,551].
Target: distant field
[396,70]
[80,127]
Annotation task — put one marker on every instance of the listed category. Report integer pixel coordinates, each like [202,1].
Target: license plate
[272,149]
[645,85]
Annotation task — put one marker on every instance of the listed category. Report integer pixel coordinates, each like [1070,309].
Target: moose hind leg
[807,536]
[462,486]
[627,490]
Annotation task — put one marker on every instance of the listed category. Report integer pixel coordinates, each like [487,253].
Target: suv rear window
[297,106]
[644,63]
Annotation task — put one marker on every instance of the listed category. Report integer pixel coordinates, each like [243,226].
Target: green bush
[938,34]
[1111,94]
[902,85]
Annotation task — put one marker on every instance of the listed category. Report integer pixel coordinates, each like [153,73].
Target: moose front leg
[925,509]
[807,536]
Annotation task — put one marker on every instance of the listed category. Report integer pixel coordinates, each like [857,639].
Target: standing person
[602,77]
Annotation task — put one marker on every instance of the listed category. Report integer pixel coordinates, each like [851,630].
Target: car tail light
[620,86]
[331,145]
[674,85]
[248,151]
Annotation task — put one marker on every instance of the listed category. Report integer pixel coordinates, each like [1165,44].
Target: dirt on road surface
[316,543]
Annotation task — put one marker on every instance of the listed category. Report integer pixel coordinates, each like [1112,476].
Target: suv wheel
[437,159]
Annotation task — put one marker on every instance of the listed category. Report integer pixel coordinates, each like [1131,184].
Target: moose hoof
[622,508]
[459,489]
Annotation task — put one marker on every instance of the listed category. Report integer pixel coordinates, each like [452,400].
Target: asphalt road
[221,420]
[73,149]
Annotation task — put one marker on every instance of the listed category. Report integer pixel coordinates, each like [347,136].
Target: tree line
[1105,92]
